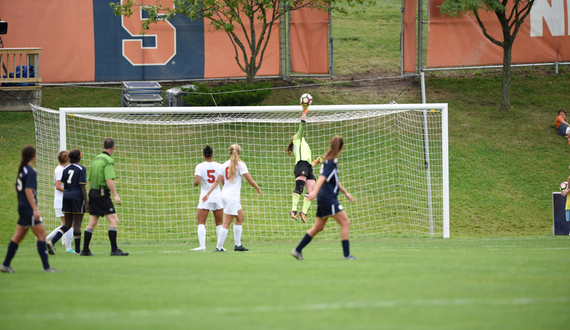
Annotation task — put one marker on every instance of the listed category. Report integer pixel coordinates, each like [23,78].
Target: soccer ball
[563,185]
[306,99]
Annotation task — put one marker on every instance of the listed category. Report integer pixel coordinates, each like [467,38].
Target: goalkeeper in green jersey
[303,167]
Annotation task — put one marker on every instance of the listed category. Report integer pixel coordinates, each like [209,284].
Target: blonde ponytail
[235,150]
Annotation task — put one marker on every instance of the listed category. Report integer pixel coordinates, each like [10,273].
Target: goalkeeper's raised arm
[303,170]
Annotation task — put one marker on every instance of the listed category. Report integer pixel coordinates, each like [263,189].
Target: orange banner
[309,35]
[542,38]
[219,53]
[62,28]
[410,48]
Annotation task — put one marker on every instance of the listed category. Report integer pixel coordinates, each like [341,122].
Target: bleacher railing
[19,66]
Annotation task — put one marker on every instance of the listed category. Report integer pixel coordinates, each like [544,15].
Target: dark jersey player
[326,191]
[75,203]
[26,187]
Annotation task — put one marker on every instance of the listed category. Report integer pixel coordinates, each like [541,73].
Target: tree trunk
[506,84]
[251,70]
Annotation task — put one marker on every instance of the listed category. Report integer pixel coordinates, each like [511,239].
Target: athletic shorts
[210,206]
[231,206]
[100,205]
[304,168]
[328,207]
[73,205]
[58,212]
[563,130]
[26,218]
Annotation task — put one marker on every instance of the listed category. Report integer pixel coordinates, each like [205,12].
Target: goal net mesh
[383,165]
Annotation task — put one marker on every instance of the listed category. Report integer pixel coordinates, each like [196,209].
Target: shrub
[238,94]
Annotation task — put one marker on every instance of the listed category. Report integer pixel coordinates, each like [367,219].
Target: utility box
[142,100]
[559,225]
[174,96]
[141,94]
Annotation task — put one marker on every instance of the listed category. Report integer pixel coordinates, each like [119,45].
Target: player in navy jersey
[75,204]
[26,186]
[326,190]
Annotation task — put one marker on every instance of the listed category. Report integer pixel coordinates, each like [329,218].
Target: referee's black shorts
[304,168]
[100,205]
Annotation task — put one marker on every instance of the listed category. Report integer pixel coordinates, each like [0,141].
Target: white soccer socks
[223,233]
[52,234]
[218,230]
[68,239]
[237,234]
[202,235]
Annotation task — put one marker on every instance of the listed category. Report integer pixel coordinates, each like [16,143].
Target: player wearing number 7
[303,167]
[206,174]
[232,173]
[75,203]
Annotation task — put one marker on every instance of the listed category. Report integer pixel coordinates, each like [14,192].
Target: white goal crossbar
[270,128]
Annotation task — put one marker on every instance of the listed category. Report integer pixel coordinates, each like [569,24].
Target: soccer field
[493,283]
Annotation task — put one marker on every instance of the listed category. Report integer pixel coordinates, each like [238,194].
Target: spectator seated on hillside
[562,126]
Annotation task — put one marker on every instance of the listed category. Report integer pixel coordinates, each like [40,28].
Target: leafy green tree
[227,16]
[511,15]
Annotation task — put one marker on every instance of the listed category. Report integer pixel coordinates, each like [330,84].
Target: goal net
[394,163]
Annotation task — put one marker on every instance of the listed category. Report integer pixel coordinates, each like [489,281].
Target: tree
[227,15]
[510,24]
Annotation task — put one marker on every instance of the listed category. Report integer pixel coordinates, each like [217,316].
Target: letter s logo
[163,32]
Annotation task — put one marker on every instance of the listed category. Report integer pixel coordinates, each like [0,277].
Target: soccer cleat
[303,217]
[119,252]
[201,248]
[50,270]
[217,250]
[240,248]
[296,255]
[86,253]
[293,214]
[50,248]
[6,269]
[350,257]
[70,251]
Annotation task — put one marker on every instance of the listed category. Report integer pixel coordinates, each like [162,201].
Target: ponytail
[289,149]
[235,150]
[28,153]
[208,151]
[336,146]
[74,156]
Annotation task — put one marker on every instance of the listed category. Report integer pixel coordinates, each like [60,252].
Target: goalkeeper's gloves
[305,108]
[318,160]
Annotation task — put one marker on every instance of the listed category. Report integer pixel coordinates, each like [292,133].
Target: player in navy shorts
[26,186]
[326,191]
[75,203]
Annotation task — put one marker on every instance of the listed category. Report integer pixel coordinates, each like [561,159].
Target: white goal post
[395,164]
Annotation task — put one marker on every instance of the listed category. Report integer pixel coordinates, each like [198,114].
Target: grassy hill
[503,166]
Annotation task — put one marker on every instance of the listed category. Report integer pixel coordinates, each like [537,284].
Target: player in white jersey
[206,174]
[232,173]
[63,159]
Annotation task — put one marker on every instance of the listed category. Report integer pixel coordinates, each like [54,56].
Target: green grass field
[501,269]
[496,283]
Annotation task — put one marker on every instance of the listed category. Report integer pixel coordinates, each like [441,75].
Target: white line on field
[294,308]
